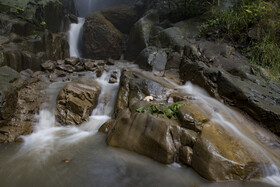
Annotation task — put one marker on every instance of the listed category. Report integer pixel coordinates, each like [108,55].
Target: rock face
[76,101]
[22,102]
[7,77]
[224,73]
[140,34]
[29,33]
[101,39]
[122,17]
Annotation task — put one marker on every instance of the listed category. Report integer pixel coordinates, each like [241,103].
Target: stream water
[78,156]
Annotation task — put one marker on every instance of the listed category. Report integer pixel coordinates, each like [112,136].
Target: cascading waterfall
[75,37]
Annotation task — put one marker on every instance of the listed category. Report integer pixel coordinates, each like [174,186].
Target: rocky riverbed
[226,129]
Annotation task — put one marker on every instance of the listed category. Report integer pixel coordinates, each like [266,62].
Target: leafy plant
[19,10]
[43,23]
[161,110]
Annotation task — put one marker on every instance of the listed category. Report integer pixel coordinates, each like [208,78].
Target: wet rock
[22,102]
[66,67]
[224,73]
[218,156]
[173,61]
[135,85]
[110,62]
[185,155]
[188,137]
[49,65]
[90,65]
[145,134]
[107,126]
[56,45]
[99,71]
[101,39]
[7,77]
[76,101]
[191,117]
[122,17]
[152,58]
[72,61]
[53,77]
[112,80]
[139,35]
[170,38]
[60,73]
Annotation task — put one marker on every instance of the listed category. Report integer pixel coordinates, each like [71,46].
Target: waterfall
[75,37]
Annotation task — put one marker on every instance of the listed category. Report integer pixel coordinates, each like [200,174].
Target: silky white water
[237,124]
[75,37]
[56,155]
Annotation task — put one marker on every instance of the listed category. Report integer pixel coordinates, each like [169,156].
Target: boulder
[136,85]
[76,101]
[171,37]
[218,156]
[173,60]
[72,61]
[140,34]
[152,58]
[185,155]
[106,127]
[145,134]
[122,17]
[101,39]
[49,65]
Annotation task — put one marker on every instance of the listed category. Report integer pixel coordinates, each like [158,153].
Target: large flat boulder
[101,39]
[76,101]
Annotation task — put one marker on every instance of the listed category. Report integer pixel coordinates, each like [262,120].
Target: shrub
[235,24]
[161,109]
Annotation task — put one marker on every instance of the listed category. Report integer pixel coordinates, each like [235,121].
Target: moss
[161,110]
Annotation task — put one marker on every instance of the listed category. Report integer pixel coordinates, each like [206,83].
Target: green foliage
[161,110]
[267,54]
[19,10]
[235,24]
[43,23]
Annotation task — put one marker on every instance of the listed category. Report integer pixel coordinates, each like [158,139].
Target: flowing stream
[78,156]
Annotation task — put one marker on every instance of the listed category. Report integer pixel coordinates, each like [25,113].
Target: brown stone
[76,101]
[101,39]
